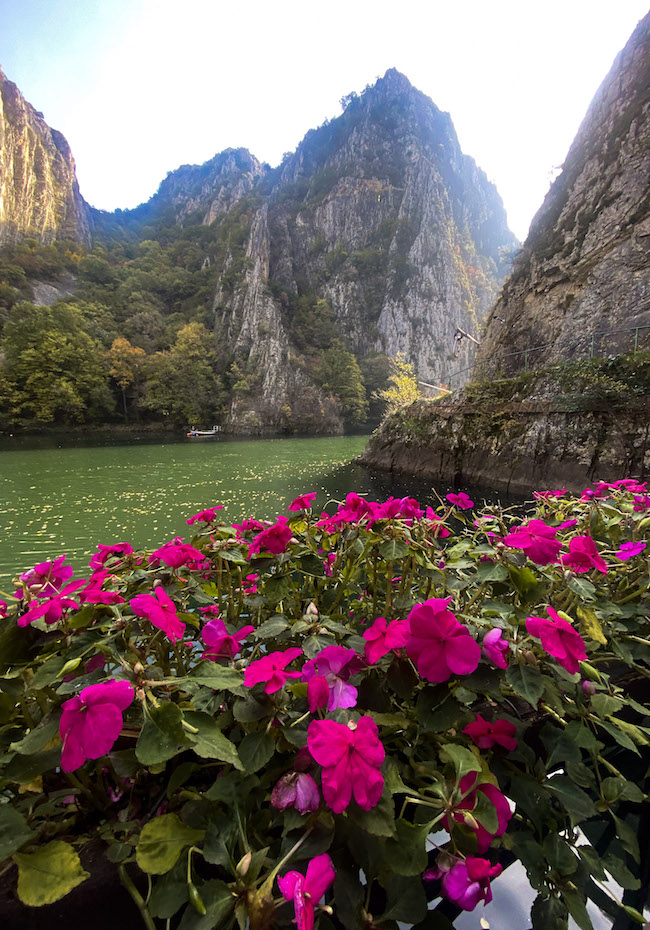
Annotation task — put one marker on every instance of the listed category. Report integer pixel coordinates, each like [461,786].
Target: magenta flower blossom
[251,587]
[212,610]
[205,516]
[274,539]
[461,500]
[567,524]
[641,504]
[271,669]
[93,593]
[159,610]
[486,733]
[496,648]
[219,643]
[583,556]
[104,553]
[318,693]
[46,578]
[466,883]
[383,637]
[628,550]
[92,721]
[307,890]
[559,639]
[52,609]
[440,530]
[296,789]
[329,561]
[176,553]
[351,757]
[468,787]
[302,502]
[548,495]
[247,526]
[405,507]
[3,610]
[537,540]
[439,645]
[334,664]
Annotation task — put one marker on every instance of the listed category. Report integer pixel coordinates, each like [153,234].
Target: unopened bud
[470,820]
[138,668]
[588,688]
[312,610]
[531,658]
[244,864]
[141,696]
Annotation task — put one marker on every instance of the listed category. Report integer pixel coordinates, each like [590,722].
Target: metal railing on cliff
[629,341]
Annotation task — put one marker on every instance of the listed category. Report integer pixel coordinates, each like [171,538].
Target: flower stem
[138,900]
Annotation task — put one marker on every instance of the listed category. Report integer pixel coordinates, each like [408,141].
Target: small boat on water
[199,433]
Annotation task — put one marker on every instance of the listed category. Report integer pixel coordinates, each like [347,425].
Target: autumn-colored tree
[126,363]
[403,385]
[339,373]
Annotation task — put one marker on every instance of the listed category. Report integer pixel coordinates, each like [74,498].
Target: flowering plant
[348,722]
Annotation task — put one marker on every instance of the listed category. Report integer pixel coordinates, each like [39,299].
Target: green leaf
[582,588]
[559,854]
[526,681]
[577,909]
[48,874]
[161,841]
[620,872]
[210,743]
[621,738]
[277,588]
[162,735]
[379,820]
[219,905]
[605,704]
[393,549]
[548,914]
[13,831]
[491,571]
[271,628]
[48,672]
[255,750]
[169,892]
[463,760]
[37,739]
[406,900]
[627,837]
[578,805]
[24,769]
[218,837]
[591,625]
[436,710]
[405,852]
[486,813]
[218,677]
[524,579]
[349,894]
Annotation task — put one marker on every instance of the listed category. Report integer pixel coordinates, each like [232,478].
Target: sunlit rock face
[39,195]
[379,213]
[584,266]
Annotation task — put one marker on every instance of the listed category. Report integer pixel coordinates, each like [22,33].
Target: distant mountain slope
[39,194]
[584,266]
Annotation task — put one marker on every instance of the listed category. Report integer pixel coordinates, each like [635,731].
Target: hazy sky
[139,87]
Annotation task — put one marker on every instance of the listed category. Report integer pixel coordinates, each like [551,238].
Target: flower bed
[339,718]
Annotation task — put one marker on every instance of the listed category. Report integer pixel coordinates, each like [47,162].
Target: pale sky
[139,87]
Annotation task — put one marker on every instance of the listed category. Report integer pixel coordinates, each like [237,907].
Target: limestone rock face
[584,267]
[381,215]
[39,194]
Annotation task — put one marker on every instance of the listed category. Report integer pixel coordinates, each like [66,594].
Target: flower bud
[588,688]
[312,610]
[244,864]
[138,668]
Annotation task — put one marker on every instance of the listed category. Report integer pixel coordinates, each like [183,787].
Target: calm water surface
[55,500]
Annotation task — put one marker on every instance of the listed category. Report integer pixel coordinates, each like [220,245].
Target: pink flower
[641,504]
[496,648]
[46,578]
[3,610]
[306,891]
[537,540]
[583,555]
[93,594]
[628,550]
[469,788]
[466,883]
[274,539]
[219,643]
[302,502]
[351,759]
[330,559]
[271,669]
[439,645]
[205,516]
[567,524]
[405,507]
[547,495]
[382,637]
[318,693]
[250,587]
[440,530]
[461,500]
[92,721]
[176,553]
[487,733]
[247,526]
[296,789]
[334,665]
[212,610]
[104,553]
[159,610]
[559,639]
[52,609]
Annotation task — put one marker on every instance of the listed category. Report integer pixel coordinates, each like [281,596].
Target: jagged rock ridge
[584,266]
[39,194]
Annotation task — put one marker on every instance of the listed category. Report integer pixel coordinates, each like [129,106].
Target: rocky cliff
[584,266]
[39,195]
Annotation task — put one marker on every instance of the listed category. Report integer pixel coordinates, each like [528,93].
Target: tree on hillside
[403,385]
[339,373]
[182,383]
[54,371]
[126,363]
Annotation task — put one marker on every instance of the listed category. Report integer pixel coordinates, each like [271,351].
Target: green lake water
[56,500]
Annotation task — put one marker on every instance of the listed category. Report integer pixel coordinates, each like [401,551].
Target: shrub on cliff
[346,719]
